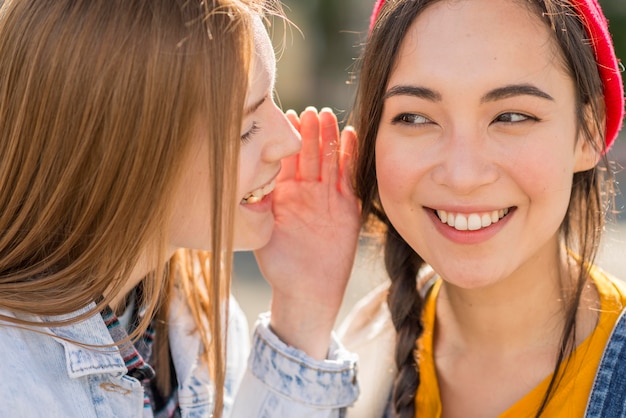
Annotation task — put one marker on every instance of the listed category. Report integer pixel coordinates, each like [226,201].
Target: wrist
[303,324]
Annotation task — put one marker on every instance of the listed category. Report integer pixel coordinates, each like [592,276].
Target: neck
[118,302]
[141,270]
[502,340]
[523,311]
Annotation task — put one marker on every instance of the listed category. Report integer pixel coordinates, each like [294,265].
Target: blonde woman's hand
[317,220]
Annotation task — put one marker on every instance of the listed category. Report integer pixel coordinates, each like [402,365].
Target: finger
[347,160]
[309,157]
[293,118]
[330,146]
[289,165]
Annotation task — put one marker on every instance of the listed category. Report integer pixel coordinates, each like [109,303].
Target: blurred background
[316,67]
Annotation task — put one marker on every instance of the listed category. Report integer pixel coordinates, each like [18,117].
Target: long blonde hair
[98,102]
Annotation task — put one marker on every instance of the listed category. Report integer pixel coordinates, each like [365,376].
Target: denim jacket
[608,393]
[45,374]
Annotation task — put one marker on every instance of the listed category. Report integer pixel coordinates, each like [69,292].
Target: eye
[410,119]
[247,136]
[514,117]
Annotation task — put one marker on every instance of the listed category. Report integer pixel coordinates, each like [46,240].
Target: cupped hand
[310,255]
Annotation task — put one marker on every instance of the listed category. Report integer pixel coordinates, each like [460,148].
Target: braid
[405,305]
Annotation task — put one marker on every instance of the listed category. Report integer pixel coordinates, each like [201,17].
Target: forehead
[264,62]
[470,37]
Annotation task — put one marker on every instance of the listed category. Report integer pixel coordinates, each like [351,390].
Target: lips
[257,195]
[471,221]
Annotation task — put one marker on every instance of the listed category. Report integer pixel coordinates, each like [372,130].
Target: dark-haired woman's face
[477,143]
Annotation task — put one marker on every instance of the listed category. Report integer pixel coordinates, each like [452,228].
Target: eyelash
[410,118]
[246,137]
[403,119]
[524,118]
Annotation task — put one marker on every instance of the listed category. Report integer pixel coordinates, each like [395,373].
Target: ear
[586,155]
[588,150]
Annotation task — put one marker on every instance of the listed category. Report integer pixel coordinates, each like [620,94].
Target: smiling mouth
[471,221]
[257,195]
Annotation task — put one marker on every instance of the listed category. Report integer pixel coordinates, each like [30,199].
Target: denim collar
[88,357]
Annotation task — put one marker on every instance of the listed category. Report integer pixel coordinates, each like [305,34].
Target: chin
[469,276]
[251,243]
[464,281]
[253,234]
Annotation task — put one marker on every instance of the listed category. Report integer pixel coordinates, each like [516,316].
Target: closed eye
[247,136]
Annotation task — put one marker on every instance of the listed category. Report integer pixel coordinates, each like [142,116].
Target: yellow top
[570,397]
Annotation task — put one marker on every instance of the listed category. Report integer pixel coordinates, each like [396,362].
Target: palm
[312,249]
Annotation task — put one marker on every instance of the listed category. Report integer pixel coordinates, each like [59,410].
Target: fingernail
[311,109]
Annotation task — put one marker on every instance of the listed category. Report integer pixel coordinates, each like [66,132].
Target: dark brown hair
[580,230]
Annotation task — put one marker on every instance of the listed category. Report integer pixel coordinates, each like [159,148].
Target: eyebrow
[415,91]
[254,106]
[494,95]
[515,90]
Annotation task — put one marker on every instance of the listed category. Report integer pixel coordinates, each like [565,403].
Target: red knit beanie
[608,66]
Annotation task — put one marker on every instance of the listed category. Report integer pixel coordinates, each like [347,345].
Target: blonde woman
[130,131]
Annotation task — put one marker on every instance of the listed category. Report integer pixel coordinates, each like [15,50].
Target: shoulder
[31,339]
[186,347]
[41,364]
[368,318]
[369,332]
[18,345]
[369,322]
[608,388]
[610,289]
[608,393]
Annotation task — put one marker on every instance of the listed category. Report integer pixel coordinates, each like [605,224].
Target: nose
[284,139]
[466,163]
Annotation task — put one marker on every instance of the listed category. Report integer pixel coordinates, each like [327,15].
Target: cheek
[385,177]
[546,180]
[248,162]
[547,169]
[397,171]
[190,226]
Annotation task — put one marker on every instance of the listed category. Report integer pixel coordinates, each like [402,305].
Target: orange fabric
[570,397]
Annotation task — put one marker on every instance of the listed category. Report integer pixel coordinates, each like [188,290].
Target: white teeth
[474,222]
[267,189]
[460,223]
[471,222]
[257,195]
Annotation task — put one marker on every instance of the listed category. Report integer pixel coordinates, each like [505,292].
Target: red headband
[609,68]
